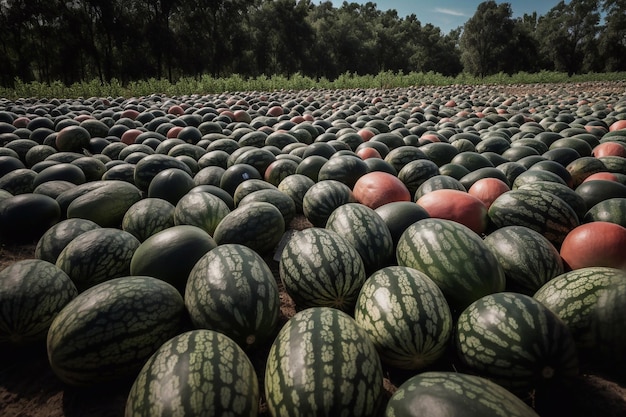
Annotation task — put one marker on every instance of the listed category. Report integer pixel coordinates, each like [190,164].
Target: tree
[568,36]
[612,42]
[486,41]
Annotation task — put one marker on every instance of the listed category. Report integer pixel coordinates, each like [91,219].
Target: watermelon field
[427,250]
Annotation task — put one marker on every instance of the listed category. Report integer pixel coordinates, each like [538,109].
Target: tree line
[126,40]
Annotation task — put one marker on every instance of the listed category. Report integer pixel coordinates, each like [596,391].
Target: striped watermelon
[453,256]
[201,209]
[364,229]
[406,315]
[528,259]
[323,364]
[517,342]
[32,292]
[591,302]
[611,210]
[58,236]
[200,373]
[320,268]
[541,211]
[147,217]
[97,255]
[106,205]
[455,394]
[322,198]
[232,290]
[109,331]
[258,225]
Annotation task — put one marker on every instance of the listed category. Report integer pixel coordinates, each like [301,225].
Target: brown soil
[29,388]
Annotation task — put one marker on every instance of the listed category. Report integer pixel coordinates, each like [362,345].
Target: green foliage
[237,83]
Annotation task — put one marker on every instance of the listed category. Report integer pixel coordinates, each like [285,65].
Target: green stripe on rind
[364,229]
[32,292]
[406,315]
[147,217]
[454,257]
[232,290]
[197,373]
[562,191]
[111,329]
[257,225]
[97,256]
[455,394]
[541,211]
[201,209]
[529,259]
[575,297]
[320,268]
[323,364]
[323,198]
[516,341]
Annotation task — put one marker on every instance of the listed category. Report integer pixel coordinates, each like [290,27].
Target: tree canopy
[126,40]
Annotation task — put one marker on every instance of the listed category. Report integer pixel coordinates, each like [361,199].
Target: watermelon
[528,259]
[232,290]
[346,169]
[364,229]
[517,342]
[32,292]
[320,268]
[26,217]
[106,204]
[199,372]
[201,209]
[149,166]
[109,331]
[170,254]
[440,393]
[147,217]
[282,201]
[588,301]
[258,225]
[610,210]
[171,185]
[97,255]
[323,198]
[54,240]
[453,256]
[539,210]
[323,364]
[250,186]
[574,200]
[406,315]
[296,186]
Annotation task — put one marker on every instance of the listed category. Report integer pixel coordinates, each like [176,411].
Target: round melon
[97,255]
[83,342]
[199,372]
[147,217]
[170,254]
[54,240]
[406,316]
[232,290]
[327,365]
[26,217]
[200,209]
[32,293]
[320,268]
[439,393]
[258,225]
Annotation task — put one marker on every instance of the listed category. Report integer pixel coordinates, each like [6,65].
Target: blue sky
[450,14]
